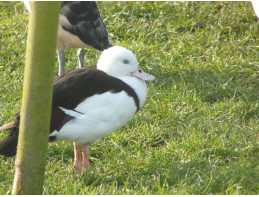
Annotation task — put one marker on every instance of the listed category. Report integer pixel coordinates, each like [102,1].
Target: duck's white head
[118,61]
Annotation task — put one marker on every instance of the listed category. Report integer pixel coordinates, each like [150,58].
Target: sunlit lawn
[198,130]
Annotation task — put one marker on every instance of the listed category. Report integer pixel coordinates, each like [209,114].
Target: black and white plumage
[90,103]
[80,26]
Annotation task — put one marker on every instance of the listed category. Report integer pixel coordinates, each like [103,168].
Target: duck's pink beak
[142,75]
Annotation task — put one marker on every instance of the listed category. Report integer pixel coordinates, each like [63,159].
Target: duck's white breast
[99,116]
[138,85]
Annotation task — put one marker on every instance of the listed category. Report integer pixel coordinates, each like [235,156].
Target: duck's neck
[138,85]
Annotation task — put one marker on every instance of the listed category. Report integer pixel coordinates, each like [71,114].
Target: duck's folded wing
[77,85]
[86,23]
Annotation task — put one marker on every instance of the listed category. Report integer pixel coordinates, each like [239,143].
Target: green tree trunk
[37,98]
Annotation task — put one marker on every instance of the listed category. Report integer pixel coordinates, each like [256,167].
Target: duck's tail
[8,146]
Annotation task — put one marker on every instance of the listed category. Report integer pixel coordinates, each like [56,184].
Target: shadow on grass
[217,174]
[214,86]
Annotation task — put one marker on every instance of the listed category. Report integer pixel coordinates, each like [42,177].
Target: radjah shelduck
[80,26]
[91,103]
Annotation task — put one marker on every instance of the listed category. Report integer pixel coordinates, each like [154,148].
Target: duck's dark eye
[126,61]
[140,71]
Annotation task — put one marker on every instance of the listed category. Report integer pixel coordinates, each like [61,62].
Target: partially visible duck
[91,103]
[80,26]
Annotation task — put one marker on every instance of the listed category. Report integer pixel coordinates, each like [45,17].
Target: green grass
[198,130]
